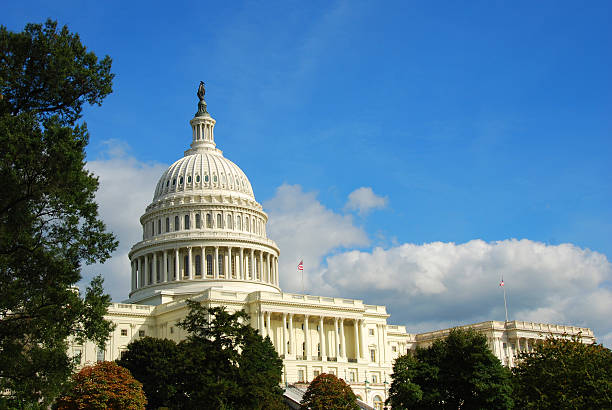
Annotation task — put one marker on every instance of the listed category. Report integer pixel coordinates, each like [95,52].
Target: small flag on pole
[301,265]
[502,282]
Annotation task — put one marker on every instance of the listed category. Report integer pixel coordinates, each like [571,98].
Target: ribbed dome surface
[201,173]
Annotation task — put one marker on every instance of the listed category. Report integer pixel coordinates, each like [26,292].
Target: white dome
[202,173]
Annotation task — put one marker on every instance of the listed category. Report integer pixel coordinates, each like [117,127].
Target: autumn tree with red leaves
[327,391]
[103,386]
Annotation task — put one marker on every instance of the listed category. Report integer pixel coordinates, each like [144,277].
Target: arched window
[176,223]
[198,221]
[206,178]
[208,221]
[181,181]
[189,179]
[232,265]
[158,270]
[209,267]
[238,223]
[219,221]
[186,221]
[378,403]
[152,228]
[229,222]
[159,227]
[186,265]
[198,266]
[197,178]
[221,270]
[246,223]
[167,224]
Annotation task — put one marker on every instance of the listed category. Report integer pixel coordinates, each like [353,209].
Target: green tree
[49,224]
[240,369]
[103,386]
[154,363]
[457,372]
[327,391]
[564,374]
[223,363]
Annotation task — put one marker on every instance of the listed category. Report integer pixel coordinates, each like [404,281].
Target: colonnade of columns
[212,262]
[331,337]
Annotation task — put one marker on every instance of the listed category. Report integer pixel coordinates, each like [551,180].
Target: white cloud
[126,188]
[305,229]
[443,284]
[363,200]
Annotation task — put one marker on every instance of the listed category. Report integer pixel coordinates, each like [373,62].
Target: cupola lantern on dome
[204,228]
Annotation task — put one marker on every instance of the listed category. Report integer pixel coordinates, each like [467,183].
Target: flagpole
[505,303]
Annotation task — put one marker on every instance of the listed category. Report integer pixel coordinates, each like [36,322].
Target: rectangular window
[301,376]
[76,357]
[123,332]
[352,376]
[198,221]
[100,355]
[372,355]
[371,332]
[141,333]
[374,378]
[221,271]
[316,373]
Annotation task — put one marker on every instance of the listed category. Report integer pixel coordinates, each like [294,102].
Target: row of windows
[215,179]
[250,224]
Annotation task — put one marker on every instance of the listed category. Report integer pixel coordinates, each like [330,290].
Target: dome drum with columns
[203,229]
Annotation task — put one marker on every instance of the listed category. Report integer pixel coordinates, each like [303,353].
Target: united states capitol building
[204,238]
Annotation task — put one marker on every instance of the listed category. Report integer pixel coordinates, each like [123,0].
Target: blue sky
[466,121]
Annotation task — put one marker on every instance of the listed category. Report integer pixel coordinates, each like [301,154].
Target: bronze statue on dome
[202,103]
[201,91]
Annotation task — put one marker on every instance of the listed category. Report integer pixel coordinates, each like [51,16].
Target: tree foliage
[564,374]
[49,222]
[327,391]
[103,386]
[223,363]
[457,372]
[154,362]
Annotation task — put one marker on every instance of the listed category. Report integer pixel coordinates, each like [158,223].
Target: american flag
[502,282]
[301,265]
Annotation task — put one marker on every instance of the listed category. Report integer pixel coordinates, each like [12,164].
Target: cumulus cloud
[438,284]
[126,188]
[363,200]
[305,229]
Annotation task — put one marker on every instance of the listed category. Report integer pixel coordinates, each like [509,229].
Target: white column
[336,338]
[216,263]
[261,268]
[226,270]
[284,347]
[190,263]
[176,264]
[362,338]
[276,269]
[384,350]
[306,338]
[261,324]
[356,339]
[165,277]
[268,276]
[291,341]
[146,270]
[140,272]
[241,264]
[322,338]
[203,260]
[252,264]
[342,340]
[154,263]
[230,262]
[133,275]
[268,327]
